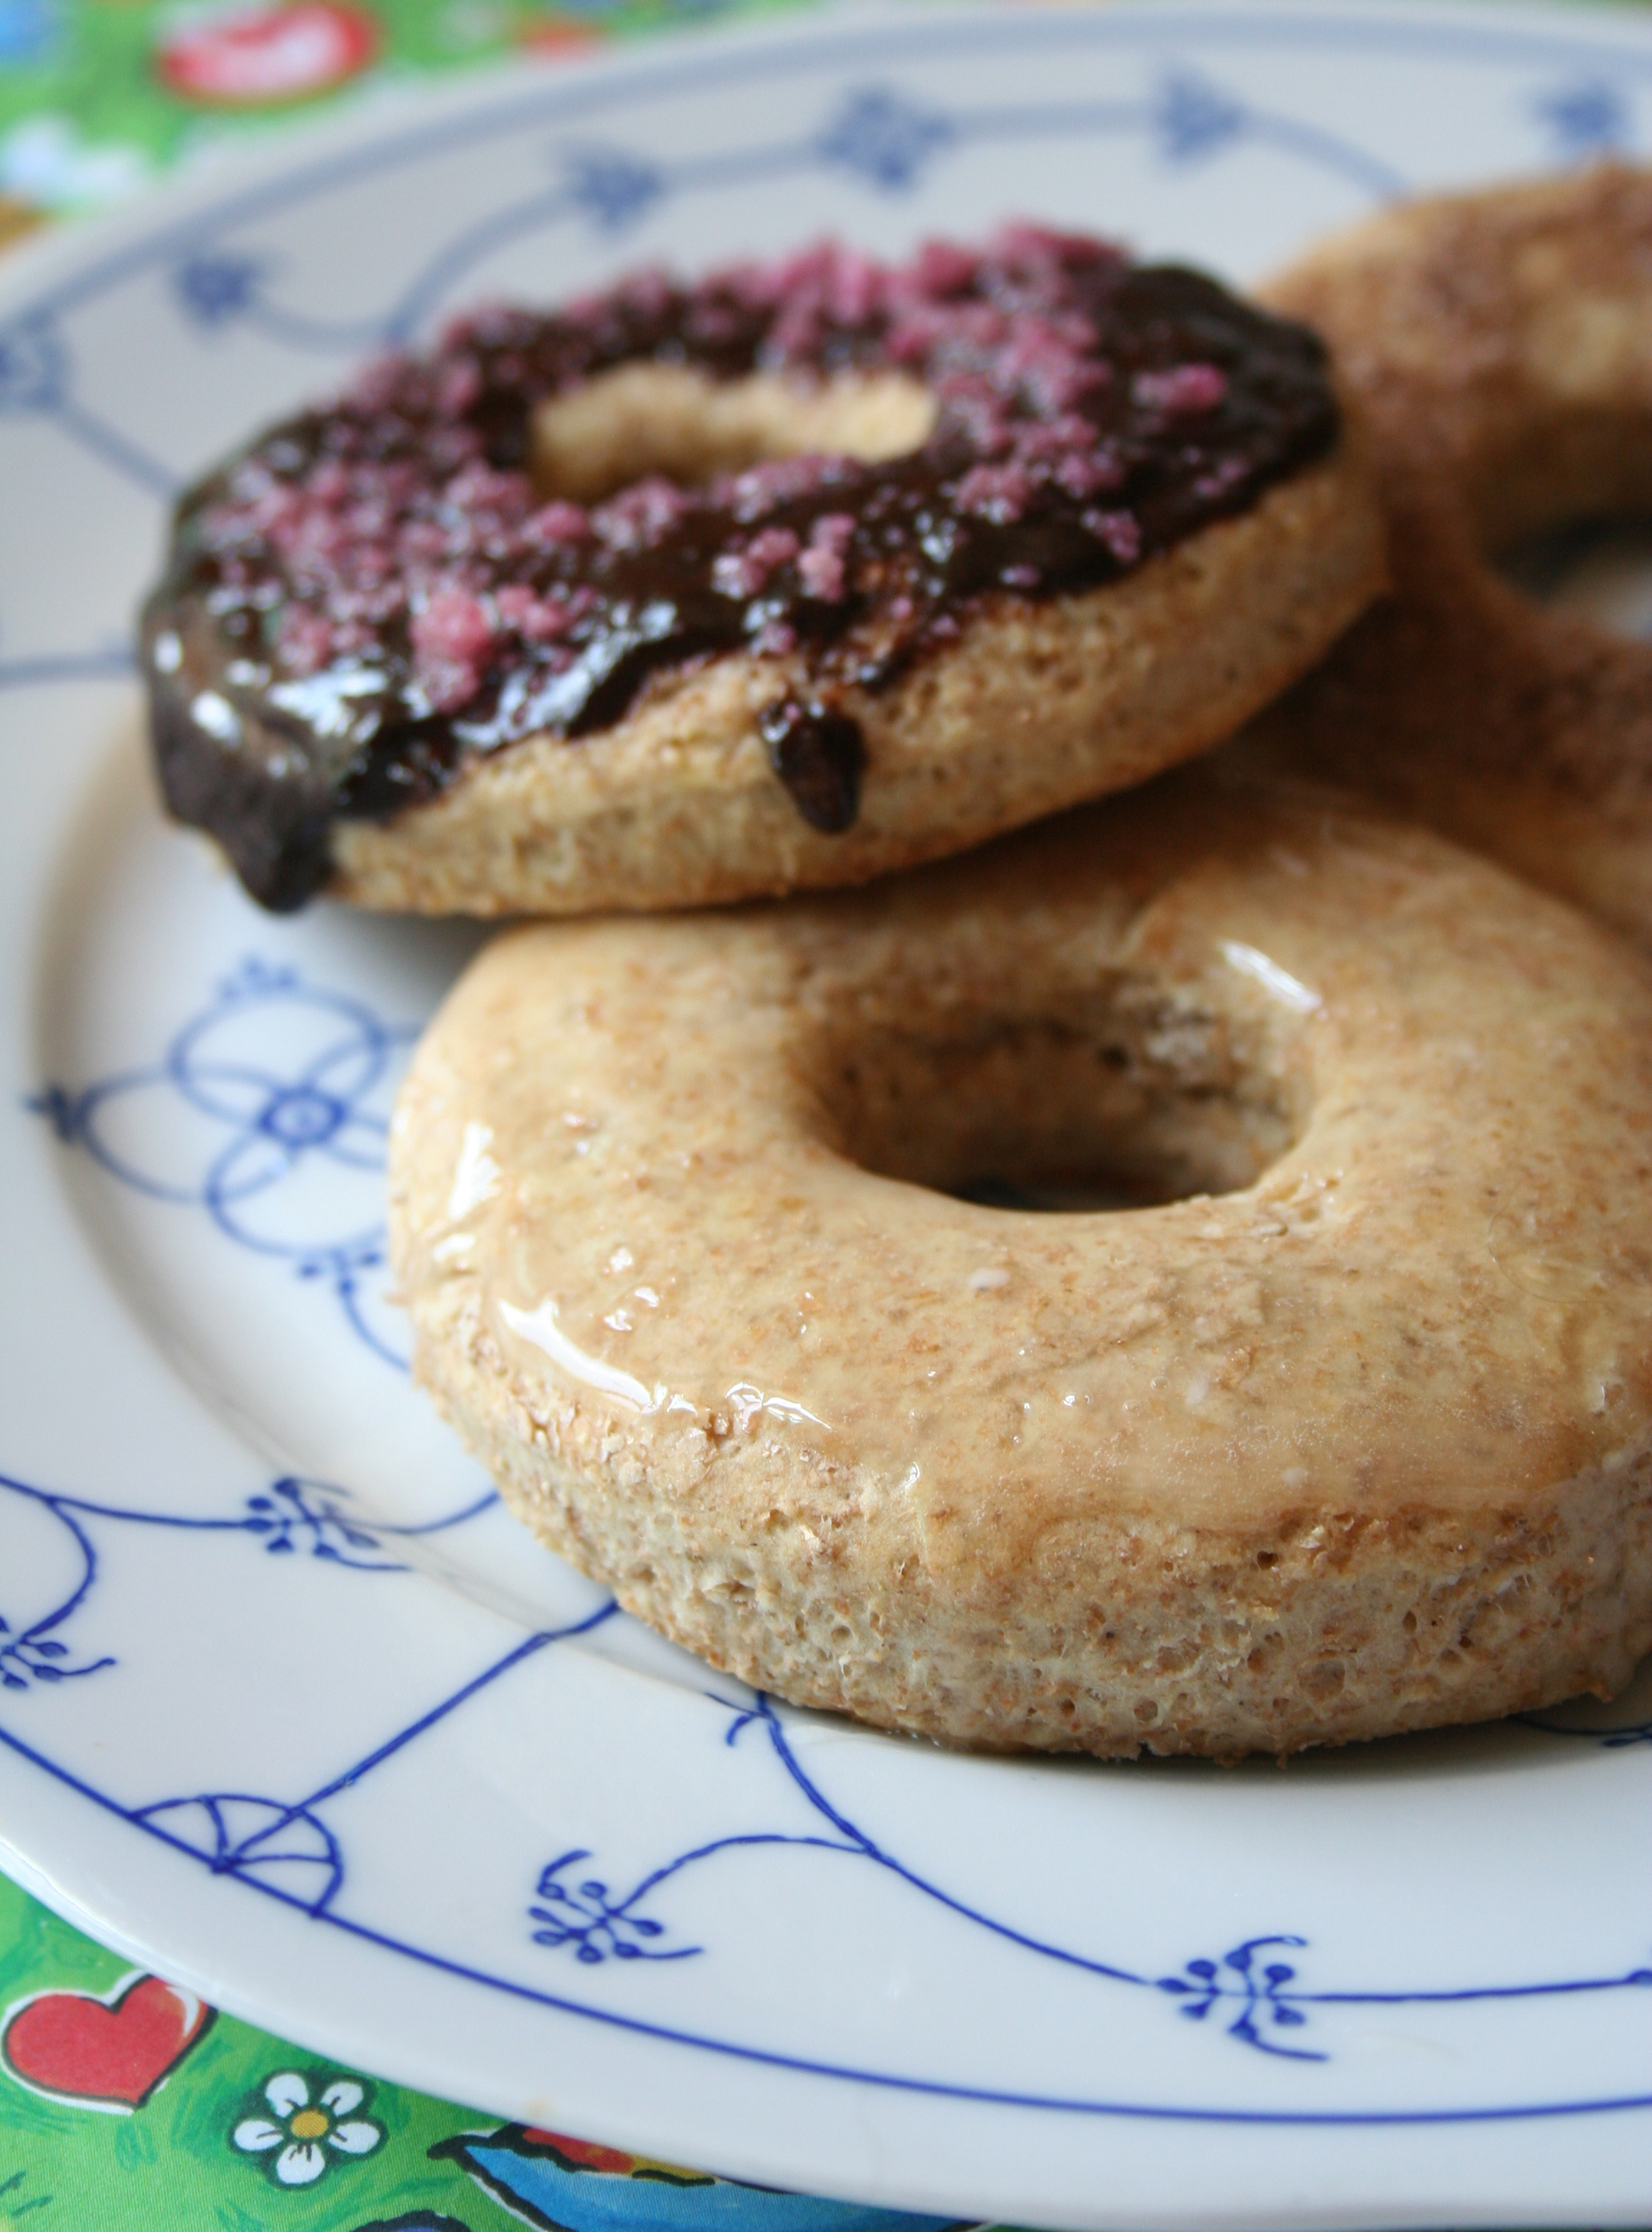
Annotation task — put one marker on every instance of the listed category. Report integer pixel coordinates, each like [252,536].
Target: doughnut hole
[1128,1102]
[1596,569]
[1562,510]
[642,420]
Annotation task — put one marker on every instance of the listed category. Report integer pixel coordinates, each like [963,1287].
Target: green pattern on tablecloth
[203,2121]
[87,116]
[68,2167]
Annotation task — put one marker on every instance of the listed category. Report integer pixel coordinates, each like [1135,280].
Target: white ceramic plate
[287,1709]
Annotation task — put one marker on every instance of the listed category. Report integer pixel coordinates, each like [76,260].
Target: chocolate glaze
[819,756]
[373,596]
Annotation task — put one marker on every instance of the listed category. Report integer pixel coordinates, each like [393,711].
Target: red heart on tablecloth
[109,2053]
[249,57]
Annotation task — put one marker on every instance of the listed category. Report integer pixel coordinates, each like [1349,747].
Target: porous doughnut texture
[1500,344]
[1352,1435]
[590,609]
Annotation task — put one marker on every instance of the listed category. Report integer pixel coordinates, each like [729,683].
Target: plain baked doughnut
[1347,1430]
[1501,344]
[801,572]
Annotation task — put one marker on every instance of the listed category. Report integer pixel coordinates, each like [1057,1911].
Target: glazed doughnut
[805,572]
[1345,1428]
[1501,343]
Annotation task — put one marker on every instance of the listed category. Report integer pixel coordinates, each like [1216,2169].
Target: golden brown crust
[1038,705]
[1501,344]
[1248,1469]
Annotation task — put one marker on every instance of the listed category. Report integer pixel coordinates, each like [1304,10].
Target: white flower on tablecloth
[46,161]
[307,2133]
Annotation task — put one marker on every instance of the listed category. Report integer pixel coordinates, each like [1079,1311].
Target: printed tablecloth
[99,97]
[127,2105]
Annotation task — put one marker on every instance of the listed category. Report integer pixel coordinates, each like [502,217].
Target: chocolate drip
[819,756]
[370,599]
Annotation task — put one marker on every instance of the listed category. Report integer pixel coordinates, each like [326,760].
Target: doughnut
[1338,1423]
[806,571]
[1501,345]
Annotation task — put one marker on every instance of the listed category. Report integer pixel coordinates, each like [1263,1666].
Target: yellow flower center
[309,2124]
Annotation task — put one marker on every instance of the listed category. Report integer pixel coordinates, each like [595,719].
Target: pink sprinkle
[967,333]
[535,619]
[806,271]
[453,626]
[1041,440]
[1182,391]
[372,602]
[557,524]
[822,576]
[977,409]
[1119,531]
[490,324]
[1050,361]
[762,488]
[448,683]
[422,538]
[459,386]
[452,638]
[1220,478]
[1000,493]
[774,547]
[486,498]
[375,560]
[797,332]
[384,603]
[856,288]
[514,601]
[312,541]
[733,574]
[913,334]
[745,572]
[941,268]
[1018,245]
[1088,473]
[641,515]
[274,511]
[821,568]
[451,446]
[649,292]
[378,383]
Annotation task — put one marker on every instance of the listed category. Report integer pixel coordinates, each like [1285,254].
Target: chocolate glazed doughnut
[1501,345]
[785,578]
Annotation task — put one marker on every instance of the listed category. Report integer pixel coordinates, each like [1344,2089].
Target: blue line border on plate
[800,2065]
